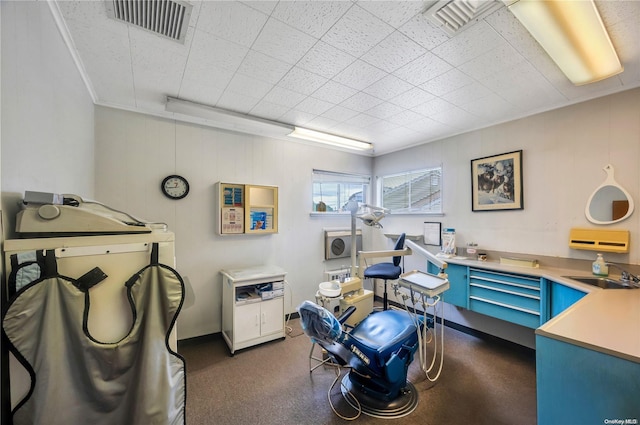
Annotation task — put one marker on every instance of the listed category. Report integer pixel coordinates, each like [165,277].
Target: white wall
[135,152]
[564,152]
[47,121]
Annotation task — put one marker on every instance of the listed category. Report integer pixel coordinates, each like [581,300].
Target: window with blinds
[413,192]
[332,191]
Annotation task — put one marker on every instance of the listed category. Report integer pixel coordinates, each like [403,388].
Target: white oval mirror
[610,202]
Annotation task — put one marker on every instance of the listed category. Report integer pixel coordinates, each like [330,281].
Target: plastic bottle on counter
[449,241]
[599,267]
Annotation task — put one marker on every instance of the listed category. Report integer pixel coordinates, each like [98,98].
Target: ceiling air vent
[452,16]
[168,18]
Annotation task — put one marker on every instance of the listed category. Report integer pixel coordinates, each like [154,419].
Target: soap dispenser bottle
[599,267]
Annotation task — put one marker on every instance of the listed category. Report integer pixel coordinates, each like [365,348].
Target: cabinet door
[246,322]
[458,284]
[563,297]
[272,316]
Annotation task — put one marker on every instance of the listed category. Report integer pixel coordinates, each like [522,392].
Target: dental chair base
[405,402]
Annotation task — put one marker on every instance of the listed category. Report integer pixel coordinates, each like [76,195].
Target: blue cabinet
[576,385]
[458,283]
[562,297]
[507,296]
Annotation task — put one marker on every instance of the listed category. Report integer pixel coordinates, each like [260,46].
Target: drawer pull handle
[524,310]
[518,294]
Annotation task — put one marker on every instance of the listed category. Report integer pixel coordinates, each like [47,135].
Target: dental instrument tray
[424,283]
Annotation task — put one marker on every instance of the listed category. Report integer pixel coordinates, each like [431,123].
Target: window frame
[411,210]
[349,179]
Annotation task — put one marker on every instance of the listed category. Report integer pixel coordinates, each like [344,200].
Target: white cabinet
[249,318]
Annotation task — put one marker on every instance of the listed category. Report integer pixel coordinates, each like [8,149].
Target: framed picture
[496,182]
[432,233]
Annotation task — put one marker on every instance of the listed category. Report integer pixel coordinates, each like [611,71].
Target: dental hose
[422,335]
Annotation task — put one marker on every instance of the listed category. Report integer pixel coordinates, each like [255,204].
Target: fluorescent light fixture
[329,139]
[222,118]
[573,35]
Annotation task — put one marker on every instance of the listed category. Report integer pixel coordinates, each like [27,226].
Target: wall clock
[175,187]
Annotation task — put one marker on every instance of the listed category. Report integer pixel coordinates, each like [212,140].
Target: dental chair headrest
[318,323]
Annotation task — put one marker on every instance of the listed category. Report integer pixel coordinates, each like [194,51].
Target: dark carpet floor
[483,381]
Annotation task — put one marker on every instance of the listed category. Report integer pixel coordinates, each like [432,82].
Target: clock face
[175,187]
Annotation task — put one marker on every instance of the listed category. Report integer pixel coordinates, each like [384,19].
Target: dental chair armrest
[345,316]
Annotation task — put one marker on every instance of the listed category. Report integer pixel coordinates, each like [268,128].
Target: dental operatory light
[372,215]
[329,139]
[574,36]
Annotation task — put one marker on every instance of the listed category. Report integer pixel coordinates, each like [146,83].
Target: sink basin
[602,282]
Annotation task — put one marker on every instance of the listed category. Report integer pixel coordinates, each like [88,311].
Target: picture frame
[496,182]
[432,233]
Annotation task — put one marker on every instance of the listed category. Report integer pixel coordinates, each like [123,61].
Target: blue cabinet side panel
[576,385]
[563,297]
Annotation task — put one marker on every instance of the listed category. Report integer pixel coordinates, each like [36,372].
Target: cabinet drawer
[507,296]
[510,313]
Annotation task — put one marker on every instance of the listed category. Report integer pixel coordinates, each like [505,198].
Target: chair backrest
[398,247]
[318,323]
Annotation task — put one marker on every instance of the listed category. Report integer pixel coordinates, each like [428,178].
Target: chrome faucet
[625,276]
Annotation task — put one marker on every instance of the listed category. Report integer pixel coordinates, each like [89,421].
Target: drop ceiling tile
[322,123]
[210,51]
[312,17]
[361,120]
[334,92]
[492,62]
[393,52]
[314,106]
[469,44]
[283,42]
[433,106]
[263,67]
[385,110]
[359,75]
[237,102]
[325,60]
[466,94]
[284,97]
[424,125]
[268,110]
[301,81]
[394,13]
[423,32]
[214,77]
[231,21]
[405,117]
[361,102]
[199,91]
[490,106]
[388,87]
[340,113]
[447,82]
[295,117]
[264,6]
[248,86]
[411,98]
[357,32]
[456,118]
[423,69]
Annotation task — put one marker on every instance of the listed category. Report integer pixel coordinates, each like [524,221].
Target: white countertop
[607,321]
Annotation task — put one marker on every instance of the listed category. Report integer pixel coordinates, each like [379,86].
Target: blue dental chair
[387,271]
[378,351]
